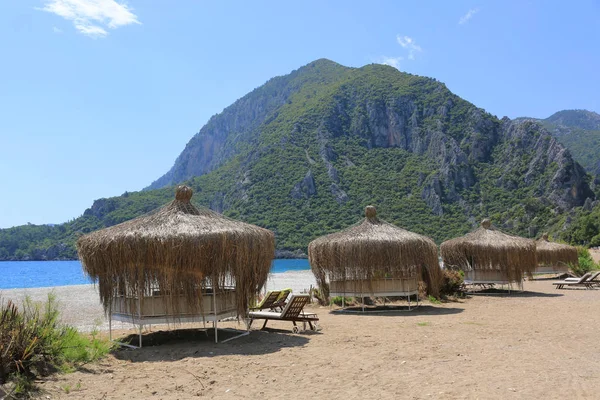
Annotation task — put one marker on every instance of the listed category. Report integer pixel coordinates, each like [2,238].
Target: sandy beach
[539,343]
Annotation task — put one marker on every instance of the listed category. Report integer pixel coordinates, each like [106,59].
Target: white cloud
[465,18]
[91,30]
[409,43]
[392,61]
[91,17]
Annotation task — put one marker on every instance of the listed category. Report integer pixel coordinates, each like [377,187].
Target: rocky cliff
[238,124]
[579,131]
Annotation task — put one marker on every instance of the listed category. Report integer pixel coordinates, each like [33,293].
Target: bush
[433,300]
[586,262]
[337,300]
[34,343]
[452,282]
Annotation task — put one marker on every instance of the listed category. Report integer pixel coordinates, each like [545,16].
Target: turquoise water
[31,274]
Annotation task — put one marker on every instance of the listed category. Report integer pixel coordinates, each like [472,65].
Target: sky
[98,97]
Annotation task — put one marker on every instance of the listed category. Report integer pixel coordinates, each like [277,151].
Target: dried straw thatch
[552,254]
[487,248]
[178,249]
[371,250]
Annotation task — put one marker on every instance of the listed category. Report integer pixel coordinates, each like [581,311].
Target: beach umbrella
[555,254]
[176,250]
[486,250]
[374,249]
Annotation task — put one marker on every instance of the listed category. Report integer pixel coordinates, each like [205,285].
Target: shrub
[452,282]
[26,339]
[337,300]
[34,343]
[586,262]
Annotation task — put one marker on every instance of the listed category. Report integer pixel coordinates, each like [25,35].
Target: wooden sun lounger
[281,301]
[269,301]
[581,282]
[293,311]
[592,279]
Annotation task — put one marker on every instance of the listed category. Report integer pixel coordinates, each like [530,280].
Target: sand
[538,344]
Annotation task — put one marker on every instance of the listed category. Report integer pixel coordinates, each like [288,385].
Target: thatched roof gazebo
[488,255]
[177,259]
[374,257]
[554,257]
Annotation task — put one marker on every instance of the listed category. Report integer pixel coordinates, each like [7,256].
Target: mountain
[579,131]
[306,152]
[578,119]
[239,124]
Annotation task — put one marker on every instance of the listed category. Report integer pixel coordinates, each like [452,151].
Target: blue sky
[98,98]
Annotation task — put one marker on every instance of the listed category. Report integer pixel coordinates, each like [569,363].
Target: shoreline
[80,304]
[290,272]
[44,274]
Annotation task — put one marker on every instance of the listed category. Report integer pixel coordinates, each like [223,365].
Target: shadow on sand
[177,344]
[395,311]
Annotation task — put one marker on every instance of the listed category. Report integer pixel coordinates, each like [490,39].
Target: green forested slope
[305,153]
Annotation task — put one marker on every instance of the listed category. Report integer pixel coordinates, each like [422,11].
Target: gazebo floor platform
[151,310]
[380,308]
[142,321]
[542,273]
[491,287]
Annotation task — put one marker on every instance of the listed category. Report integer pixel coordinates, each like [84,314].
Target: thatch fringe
[553,254]
[178,250]
[487,248]
[374,249]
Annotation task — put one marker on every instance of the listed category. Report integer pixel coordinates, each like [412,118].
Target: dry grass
[374,249]
[178,249]
[487,248]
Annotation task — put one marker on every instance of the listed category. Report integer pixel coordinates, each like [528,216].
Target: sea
[32,274]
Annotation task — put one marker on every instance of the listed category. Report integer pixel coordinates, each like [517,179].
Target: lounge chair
[281,301]
[268,302]
[293,311]
[593,279]
[581,282]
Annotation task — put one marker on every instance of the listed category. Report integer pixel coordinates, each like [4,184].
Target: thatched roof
[374,249]
[487,248]
[177,249]
[550,253]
